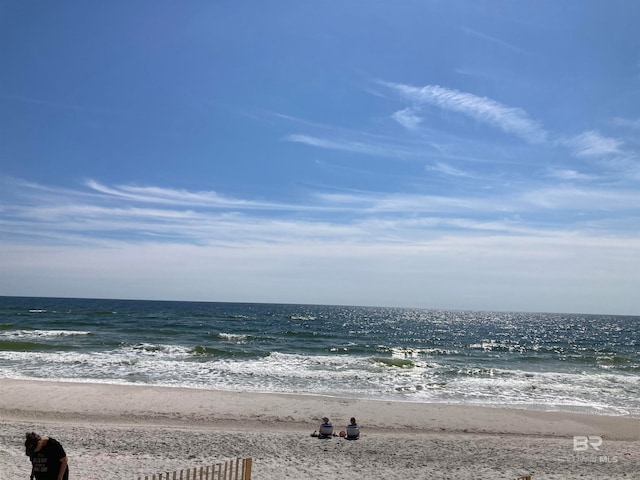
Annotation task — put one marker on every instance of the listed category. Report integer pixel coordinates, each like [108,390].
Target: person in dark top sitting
[353,430]
[48,458]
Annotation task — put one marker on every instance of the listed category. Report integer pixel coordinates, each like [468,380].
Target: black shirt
[46,461]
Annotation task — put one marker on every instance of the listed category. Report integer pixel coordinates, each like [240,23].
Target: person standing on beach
[48,458]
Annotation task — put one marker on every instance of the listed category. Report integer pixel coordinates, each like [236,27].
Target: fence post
[246,474]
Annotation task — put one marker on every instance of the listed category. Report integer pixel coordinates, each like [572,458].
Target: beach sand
[119,432]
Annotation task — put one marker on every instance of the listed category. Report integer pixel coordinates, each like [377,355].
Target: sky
[471,155]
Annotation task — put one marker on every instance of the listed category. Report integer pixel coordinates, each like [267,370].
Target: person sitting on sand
[326,428]
[353,430]
[48,458]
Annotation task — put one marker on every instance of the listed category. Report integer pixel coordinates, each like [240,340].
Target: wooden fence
[238,469]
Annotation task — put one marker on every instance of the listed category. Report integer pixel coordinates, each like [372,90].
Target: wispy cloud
[509,119]
[627,123]
[150,194]
[495,41]
[376,148]
[593,144]
[54,104]
[569,174]
[449,170]
[372,203]
[540,200]
[585,200]
[330,144]
[407,118]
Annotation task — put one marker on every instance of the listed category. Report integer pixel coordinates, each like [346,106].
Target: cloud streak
[57,105]
[495,41]
[169,196]
[376,148]
[485,110]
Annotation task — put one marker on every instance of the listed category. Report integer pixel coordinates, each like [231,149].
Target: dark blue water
[531,360]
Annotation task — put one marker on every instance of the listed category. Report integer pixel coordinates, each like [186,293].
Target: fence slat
[246,475]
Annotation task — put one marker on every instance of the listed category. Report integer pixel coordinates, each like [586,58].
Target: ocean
[555,362]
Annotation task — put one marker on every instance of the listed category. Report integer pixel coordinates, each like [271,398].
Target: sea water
[566,362]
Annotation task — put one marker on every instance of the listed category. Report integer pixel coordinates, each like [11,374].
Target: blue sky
[442,154]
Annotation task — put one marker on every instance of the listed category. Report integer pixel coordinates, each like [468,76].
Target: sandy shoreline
[116,432]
